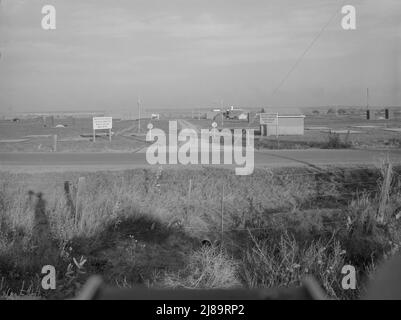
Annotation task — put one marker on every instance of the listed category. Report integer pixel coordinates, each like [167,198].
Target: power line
[298,61]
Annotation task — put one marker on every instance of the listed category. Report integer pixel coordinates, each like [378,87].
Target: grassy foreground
[145,227]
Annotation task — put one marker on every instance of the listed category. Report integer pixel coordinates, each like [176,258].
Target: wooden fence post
[385,189]
[55,143]
[68,197]
[222,215]
[79,201]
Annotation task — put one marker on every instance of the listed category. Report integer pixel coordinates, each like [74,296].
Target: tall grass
[207,268]
[144,227]
[287,262]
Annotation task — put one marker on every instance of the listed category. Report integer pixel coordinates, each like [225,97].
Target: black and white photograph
[200,154]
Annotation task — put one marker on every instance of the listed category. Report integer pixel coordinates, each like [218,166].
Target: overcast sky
[187,54]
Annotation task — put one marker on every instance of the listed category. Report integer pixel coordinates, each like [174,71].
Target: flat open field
[33,135]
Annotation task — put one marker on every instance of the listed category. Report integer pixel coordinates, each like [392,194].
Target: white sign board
[100,123]
[268,118]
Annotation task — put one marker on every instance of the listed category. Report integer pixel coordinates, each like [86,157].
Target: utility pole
[139,115]
[222,113]
[367,104]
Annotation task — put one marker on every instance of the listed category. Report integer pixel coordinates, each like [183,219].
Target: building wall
[287,126]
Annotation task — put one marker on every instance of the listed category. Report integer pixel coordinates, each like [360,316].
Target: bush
[334,141]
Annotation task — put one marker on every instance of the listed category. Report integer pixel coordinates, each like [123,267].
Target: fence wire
[370,184]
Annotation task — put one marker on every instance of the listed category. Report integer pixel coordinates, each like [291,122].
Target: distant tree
[342,111]
[315,112]
[262,110]
[331,111]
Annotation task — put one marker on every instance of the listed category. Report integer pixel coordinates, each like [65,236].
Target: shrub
[334,141]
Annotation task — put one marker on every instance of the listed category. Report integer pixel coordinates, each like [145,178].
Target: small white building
[290,121]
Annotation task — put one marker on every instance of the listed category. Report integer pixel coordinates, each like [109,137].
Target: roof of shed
[284,111]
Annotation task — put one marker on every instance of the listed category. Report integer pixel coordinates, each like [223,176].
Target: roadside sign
[268,118]
[100,123]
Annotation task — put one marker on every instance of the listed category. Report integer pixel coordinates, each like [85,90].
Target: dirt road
[116,161]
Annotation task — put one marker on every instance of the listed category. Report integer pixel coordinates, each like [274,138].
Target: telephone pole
[367,104]
[139,115]
[222,113]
